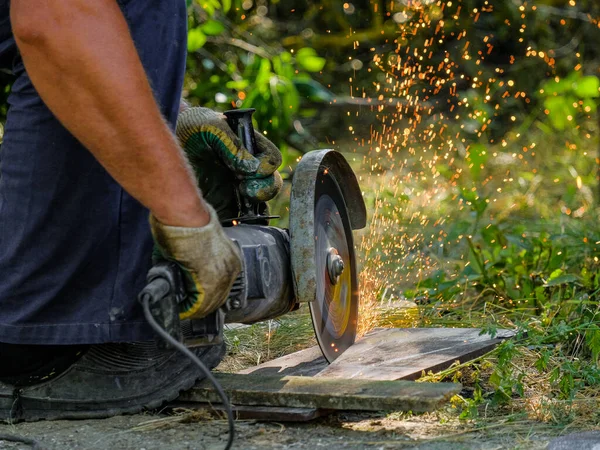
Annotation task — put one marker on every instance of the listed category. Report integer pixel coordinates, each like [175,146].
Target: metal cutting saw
[313,261]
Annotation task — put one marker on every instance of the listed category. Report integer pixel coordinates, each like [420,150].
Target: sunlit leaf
[210,6]
[238,85]
[587,87]
[555,274]
[553,87]
[308,59]
[196,39]
[562,279]
[559,109]
[212,28]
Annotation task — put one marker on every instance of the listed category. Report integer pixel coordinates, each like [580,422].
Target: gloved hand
[219,160]
[209,260]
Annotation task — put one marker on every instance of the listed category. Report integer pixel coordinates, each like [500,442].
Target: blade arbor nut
[335,265]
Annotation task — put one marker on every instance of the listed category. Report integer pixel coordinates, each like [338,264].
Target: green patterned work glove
[222,165]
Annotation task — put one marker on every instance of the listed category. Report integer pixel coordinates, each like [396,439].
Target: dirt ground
[339,431]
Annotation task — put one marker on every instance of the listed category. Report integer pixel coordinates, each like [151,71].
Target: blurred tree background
[309,66]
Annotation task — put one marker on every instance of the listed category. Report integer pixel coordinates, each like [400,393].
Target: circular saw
[312,262]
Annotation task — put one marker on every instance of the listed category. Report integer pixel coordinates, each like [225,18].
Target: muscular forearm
[81,59]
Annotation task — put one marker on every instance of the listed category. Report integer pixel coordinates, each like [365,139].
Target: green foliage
[308,59]
[229,68]
[547,283]
[196,39]
[477,158]
[564,99]
[505,378]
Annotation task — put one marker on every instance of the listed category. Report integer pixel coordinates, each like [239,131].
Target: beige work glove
[209,260]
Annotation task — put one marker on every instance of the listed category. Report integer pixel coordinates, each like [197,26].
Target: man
[88,150]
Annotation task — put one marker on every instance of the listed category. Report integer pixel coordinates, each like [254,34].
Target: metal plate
[334,311]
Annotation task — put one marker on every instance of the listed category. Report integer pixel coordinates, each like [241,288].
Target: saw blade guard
[326,205]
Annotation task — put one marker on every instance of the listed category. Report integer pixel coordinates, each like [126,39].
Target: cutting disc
[326,204]
[335,309]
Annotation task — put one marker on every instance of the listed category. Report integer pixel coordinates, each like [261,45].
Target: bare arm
[82,60]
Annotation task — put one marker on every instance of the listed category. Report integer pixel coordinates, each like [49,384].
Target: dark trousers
[74,247]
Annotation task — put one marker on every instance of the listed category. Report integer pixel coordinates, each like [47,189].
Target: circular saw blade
[335,309]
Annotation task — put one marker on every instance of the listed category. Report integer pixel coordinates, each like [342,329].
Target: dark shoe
[108,380]
[25,365]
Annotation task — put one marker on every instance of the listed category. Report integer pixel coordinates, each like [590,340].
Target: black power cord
[145,298]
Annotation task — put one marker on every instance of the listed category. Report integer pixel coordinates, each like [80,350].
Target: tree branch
[565,13]
[342,40]
[240,44]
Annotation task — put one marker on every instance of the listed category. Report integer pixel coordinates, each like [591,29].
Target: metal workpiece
[267,273]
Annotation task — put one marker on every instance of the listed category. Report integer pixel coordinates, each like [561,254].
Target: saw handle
[240,121]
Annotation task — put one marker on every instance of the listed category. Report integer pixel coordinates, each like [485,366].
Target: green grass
[251,345]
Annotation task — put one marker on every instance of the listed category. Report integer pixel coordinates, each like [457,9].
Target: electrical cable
[185,351]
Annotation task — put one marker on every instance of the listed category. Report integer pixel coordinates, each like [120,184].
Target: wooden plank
[326,393]
[394,354]
[261,413]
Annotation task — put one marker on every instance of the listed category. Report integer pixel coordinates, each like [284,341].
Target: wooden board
[404,354]
[261,413]
[326,393]
[382,355]
[389,354]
